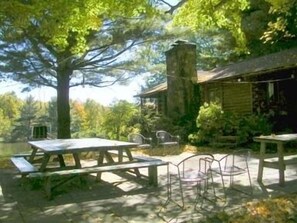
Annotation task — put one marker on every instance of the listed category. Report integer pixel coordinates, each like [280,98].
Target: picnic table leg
[120,155]
[281,163]
[153,175]
[108,157]
[261,161]
[33,154]
[48,187]
[45,160]
[61,160]
[130,157]
[76,160]
[100,162]
[129,154]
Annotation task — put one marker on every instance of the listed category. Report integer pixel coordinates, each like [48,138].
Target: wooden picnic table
[106,160]
[280,163]
[61,147]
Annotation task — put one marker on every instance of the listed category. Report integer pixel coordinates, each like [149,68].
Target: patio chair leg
[198,195]
[182,195]
[213,188]
[169,193]
[250,180]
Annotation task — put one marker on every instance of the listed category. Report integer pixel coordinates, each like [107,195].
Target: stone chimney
[182,92]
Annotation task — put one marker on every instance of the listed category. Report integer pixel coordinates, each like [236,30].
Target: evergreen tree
[28,117]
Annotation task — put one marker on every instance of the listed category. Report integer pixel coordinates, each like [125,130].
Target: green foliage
[253,125]
[52,114]
[5,124]
[203,15]
[209,123]
[269,25]
[144,121]
[28,117]
[116,124]
[212,122]
[283,25]
[10,104]
[67,24]
[9,111]
[87,119]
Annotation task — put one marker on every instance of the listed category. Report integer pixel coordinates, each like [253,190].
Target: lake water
[7,149]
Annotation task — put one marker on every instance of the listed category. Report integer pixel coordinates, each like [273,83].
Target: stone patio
[121,198]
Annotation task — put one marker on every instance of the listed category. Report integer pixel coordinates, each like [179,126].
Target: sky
[105,96]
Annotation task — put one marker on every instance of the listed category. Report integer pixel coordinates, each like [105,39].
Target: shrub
[212,122]
[253,125]
[209,123]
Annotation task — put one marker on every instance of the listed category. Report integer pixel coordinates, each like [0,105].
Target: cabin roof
[285,59]
[282,60]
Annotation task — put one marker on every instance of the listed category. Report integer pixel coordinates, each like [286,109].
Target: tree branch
[173,7]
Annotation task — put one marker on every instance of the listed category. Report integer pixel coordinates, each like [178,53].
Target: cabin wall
[233,97]
[272,95]
[237,98]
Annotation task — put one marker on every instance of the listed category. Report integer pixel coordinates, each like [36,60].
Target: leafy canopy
[203,15]
[279,18]
[63,21]
[284,22]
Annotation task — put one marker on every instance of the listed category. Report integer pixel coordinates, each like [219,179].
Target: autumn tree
[63,44]
[78,117]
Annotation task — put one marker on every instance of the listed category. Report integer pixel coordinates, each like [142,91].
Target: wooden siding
[234,97]
[237,97]
[211,92]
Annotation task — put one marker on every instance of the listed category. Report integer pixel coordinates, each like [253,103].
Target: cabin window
[214,96]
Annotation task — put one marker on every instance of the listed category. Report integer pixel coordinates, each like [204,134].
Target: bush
[253,125]
[212,122]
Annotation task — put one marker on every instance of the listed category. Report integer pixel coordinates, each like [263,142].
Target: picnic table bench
[48,175]
[23,165]
[27,155]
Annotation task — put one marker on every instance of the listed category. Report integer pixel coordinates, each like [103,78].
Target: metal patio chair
[144,142]
[233,165]
[191,172]
[166,139]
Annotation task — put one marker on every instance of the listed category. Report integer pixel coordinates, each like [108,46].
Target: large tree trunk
[63,107]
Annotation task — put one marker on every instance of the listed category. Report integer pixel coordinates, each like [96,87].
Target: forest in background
[88,119]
